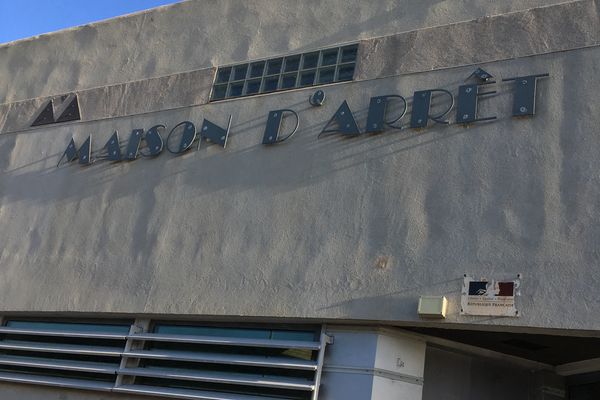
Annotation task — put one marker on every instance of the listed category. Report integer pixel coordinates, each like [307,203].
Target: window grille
[285,73]
[166,359]
[78,355]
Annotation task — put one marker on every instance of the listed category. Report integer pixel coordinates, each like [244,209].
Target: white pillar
[373,364]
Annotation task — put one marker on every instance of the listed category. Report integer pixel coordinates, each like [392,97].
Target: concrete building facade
[322,244]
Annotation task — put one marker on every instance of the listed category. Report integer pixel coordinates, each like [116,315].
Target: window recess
[284,73]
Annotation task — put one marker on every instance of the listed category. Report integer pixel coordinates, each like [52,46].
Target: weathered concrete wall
[296,230]
[201,34]
[464,43]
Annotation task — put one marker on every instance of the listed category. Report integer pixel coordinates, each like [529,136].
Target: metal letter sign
[482,75]
[84,153]
[70,113]
[345,124]
[345,121]
[215,133]
[133,147]
[113,147]
[524,100]
[46,116]
[187,137]
[209,131]
[317,99]
[421,105]
[271,135]
[154,141]
[466,110]
[376,122]
[70,152]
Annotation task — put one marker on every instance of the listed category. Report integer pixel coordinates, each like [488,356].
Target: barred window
[79,355]
[250,361]
[171,359]
[284,73]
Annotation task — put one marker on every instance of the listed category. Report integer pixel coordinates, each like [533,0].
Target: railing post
[139,326]
[325,340]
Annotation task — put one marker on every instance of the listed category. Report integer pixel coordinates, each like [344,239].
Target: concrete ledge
[131,98]
[173,91]
[536,31]
[192,35]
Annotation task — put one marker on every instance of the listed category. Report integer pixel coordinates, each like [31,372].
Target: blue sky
[25,18]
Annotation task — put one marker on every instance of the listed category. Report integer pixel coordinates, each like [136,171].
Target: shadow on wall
[303,161]
[403,302]
[232,170]
[306,162]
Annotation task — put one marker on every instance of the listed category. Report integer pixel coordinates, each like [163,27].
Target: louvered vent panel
[171,360]
[206,362]
[64,354]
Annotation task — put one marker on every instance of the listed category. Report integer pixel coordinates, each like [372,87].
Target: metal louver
[77,355]
[173,361]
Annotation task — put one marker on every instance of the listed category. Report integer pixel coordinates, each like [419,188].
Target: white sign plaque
[489,297]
